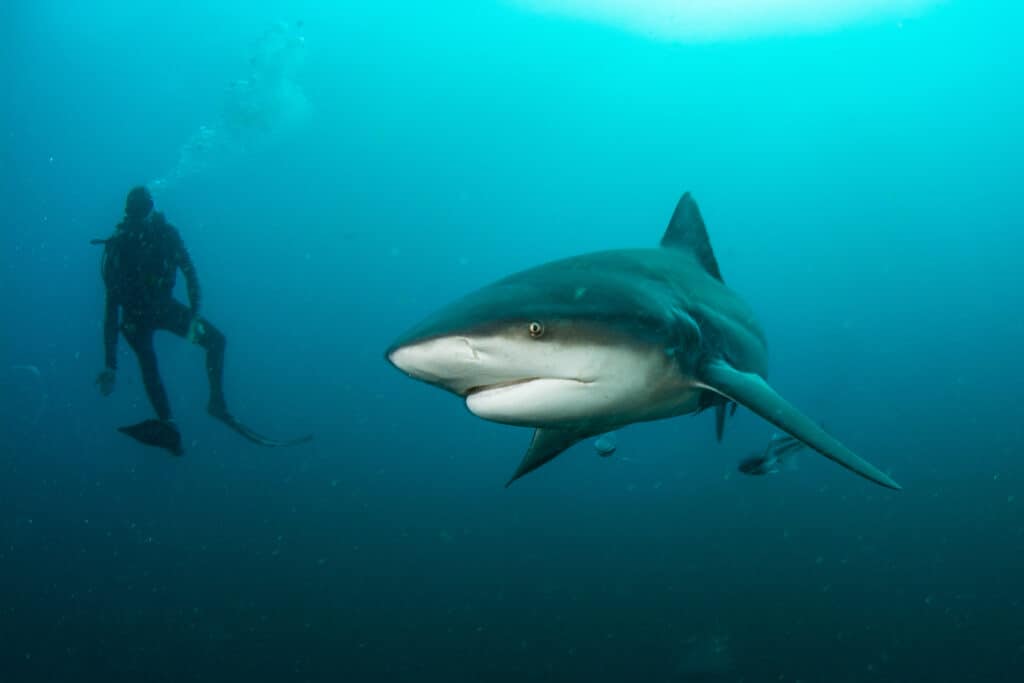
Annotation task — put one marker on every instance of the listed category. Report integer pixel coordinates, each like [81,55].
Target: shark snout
[451,362]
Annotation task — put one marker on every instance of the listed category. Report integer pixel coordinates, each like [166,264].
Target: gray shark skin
[585,345]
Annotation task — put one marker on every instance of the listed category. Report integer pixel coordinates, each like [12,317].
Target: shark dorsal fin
[686,231]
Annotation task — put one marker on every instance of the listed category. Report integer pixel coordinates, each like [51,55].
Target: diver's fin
[720,420]
[159,433]
[754,393]
[546,445]
[258,439]
[686,231]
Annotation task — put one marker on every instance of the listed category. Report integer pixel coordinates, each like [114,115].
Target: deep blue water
[339,173]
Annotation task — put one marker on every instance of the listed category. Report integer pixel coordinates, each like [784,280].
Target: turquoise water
[340,172]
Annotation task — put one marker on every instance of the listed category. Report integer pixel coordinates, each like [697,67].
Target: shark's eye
[536,329]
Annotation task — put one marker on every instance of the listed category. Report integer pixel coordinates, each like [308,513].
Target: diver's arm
[105,380]
[191,277]
[110,332]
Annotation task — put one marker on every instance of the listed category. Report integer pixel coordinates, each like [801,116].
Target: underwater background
[339,171]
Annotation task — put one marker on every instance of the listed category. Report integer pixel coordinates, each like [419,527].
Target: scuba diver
[139,268]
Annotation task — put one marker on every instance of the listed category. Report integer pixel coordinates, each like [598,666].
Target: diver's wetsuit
[139,269]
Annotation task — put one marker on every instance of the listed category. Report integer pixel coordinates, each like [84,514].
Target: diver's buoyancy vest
[140,263]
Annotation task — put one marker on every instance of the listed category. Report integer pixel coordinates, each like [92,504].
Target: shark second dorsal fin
[686,231]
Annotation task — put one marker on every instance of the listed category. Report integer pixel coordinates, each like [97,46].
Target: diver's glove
[105,381]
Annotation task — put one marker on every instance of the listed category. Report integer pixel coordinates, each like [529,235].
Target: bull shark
[584,345]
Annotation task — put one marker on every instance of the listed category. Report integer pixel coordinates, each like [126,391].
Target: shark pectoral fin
[546,445]
[753,392]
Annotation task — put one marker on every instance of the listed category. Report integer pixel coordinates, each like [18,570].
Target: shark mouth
[497,386]
[519,383]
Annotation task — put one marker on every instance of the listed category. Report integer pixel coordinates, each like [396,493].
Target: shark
[581,346]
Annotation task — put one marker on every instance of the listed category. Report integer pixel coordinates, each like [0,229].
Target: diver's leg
[177,318]
[214,341]
[141,341]
[161,432]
